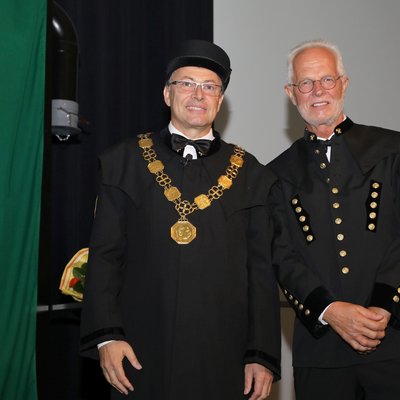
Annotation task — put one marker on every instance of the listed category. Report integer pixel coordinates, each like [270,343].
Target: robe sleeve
[101,319]
[303,289]
[264,341]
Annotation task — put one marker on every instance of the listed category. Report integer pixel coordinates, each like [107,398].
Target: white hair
[311,44]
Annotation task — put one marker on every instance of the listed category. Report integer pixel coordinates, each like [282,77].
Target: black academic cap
[200,53]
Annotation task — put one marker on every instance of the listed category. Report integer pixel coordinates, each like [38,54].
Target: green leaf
[78,287]
[78,273]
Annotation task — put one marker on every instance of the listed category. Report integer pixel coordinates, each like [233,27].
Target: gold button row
[340,236]
[302,218]
[373,205]
[296,303]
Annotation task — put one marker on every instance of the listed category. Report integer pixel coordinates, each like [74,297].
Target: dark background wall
[123,48]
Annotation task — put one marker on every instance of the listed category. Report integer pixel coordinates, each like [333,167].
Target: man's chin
[321,121]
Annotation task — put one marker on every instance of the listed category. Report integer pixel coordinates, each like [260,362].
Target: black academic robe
[194,313]
[343,219]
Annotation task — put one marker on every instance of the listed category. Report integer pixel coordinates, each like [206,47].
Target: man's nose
[198,92]
[317,89]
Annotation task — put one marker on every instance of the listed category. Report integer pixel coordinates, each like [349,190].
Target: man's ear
[345,82]
[290,93]
[220,100]
[167,96]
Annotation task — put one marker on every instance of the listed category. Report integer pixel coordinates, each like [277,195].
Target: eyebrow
[194,80]
[323,76]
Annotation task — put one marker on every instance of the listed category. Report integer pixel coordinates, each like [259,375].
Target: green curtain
[22,75]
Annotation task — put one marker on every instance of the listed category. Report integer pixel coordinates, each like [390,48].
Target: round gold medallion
[183,232]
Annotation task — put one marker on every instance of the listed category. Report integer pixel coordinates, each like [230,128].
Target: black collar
[340,129]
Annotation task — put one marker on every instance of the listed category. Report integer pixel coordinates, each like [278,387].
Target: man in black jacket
[337,205]
[180,279]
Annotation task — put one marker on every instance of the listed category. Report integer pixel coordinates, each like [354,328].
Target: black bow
[202,146]
[323,144]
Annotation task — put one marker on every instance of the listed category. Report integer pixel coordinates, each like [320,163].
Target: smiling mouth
[320,104]
[195,108]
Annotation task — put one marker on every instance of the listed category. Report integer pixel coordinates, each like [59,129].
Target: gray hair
[310,44]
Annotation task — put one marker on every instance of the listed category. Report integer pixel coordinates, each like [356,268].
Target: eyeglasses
[209,89]
[307,85]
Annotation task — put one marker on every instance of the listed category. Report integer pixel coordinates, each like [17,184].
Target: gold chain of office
[183,232]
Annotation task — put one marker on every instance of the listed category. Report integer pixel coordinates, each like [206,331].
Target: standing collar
[340,129]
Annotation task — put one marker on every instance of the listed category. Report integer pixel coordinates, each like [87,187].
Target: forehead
[196,73]
[314,62]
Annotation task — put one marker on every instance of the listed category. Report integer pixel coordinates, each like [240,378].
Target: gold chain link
[185,207]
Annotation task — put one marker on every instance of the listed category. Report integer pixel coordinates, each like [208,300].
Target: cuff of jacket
[387,297]
[88,343]
[313,306]
[259,357]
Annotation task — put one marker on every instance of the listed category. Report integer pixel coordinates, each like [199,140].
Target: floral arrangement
[73,278]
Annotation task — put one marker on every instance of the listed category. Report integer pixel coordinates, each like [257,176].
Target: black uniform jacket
[193,313]
[343,218]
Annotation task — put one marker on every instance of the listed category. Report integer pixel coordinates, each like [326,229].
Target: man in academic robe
[181,301]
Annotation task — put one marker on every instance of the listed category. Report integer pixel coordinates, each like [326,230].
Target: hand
[360,327]
[262,378]
[381,311]
[111,356]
